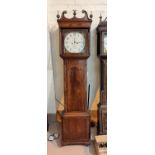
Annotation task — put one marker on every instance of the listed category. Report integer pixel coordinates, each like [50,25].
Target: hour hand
[77,42]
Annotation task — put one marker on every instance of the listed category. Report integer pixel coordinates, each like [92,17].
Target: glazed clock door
[74,42]
[104,42]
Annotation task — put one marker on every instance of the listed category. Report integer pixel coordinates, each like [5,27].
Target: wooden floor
[54,147]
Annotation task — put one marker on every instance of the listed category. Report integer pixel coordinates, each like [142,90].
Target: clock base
[75,128]
[102,120]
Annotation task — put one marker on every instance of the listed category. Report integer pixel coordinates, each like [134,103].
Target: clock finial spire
[91,15]
[58,15]
[100,17]
[74,13]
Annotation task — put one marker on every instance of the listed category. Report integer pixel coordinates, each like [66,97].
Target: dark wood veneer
[76,128]
[75,84]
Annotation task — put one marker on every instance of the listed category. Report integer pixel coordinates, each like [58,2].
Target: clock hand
[78,42]
[74,40]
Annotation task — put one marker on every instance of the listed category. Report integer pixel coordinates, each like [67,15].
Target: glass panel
[104,42]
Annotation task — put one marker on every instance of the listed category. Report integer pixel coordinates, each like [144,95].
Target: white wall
[97,7]
[51,106]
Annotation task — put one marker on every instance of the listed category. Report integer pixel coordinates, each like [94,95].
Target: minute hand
[77,42]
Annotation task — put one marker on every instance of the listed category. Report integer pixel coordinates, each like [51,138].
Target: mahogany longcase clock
[102,53]
[74,38]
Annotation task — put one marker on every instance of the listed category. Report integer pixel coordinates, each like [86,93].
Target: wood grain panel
[76,128]
[75,85]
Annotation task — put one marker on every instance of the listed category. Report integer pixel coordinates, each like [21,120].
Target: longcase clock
[74,38]
[102,54]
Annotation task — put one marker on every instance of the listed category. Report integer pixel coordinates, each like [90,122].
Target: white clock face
[74,42]
[104,36]
[105,43]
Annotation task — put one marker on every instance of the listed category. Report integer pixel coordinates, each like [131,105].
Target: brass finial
[100,17]
[74,13]
[58,16]
[91,15]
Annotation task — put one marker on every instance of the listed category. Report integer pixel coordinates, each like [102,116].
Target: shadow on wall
[57,63]
[50,82]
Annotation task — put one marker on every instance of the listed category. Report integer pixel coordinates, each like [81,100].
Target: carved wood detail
[74,18]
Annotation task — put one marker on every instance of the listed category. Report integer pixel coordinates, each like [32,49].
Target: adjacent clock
[102,53]
[74,37]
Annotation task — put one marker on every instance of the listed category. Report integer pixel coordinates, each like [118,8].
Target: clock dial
[74,42]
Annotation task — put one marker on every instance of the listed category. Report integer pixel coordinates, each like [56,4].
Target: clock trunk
[75,85]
